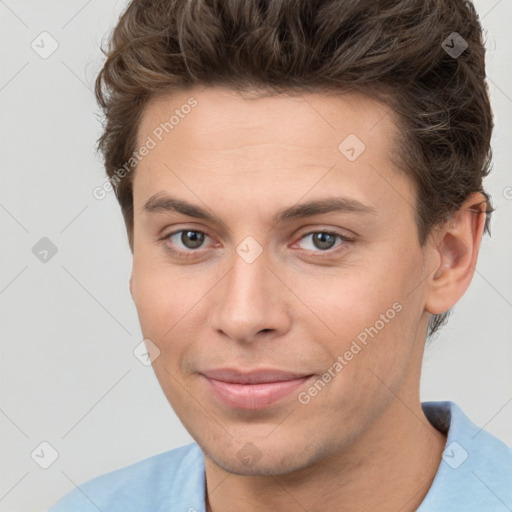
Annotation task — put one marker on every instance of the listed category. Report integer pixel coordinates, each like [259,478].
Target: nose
[251,303]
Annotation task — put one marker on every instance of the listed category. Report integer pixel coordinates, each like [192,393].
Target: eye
[186,240]
[184,243]
[323,241]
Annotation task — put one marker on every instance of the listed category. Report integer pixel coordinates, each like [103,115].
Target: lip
[252,390]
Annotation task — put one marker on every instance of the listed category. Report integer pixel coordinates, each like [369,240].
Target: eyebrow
[159,203]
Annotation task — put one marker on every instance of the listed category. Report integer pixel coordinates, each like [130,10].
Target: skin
[363,441]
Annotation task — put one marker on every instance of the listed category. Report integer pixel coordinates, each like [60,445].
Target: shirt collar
[475,473]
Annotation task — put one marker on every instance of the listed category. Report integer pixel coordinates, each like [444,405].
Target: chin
[261,468]
[248,461]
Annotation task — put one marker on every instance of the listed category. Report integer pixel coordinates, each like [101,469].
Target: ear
[131,284]
[455,251]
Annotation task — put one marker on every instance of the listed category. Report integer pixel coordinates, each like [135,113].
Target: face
[328,299]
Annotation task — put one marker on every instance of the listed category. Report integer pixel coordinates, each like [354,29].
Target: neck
[390,467]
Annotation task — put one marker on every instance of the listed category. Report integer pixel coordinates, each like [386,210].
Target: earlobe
[458,243]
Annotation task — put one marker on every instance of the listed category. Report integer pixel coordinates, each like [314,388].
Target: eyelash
[328,253]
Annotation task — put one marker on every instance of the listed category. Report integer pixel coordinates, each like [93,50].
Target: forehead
[307,120]
[217,142]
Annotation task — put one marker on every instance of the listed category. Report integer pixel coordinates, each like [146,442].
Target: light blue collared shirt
[475,475]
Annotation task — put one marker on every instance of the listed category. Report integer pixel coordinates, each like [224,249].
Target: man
[302,189]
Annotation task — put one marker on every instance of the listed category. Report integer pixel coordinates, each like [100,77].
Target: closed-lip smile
[254,389]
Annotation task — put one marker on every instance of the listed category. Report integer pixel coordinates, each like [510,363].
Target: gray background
[68,325]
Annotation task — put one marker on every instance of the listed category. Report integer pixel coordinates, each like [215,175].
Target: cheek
[170,308]
[351,301]
[158,300]
[370,314]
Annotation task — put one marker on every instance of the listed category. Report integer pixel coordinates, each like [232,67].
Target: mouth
[252,390]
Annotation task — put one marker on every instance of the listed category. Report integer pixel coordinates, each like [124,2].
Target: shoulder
[475,473]
[170,479]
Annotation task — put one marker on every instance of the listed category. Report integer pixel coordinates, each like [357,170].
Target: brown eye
[184,241]
[191,239]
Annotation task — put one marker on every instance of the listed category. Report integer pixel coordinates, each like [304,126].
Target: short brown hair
[395,51]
